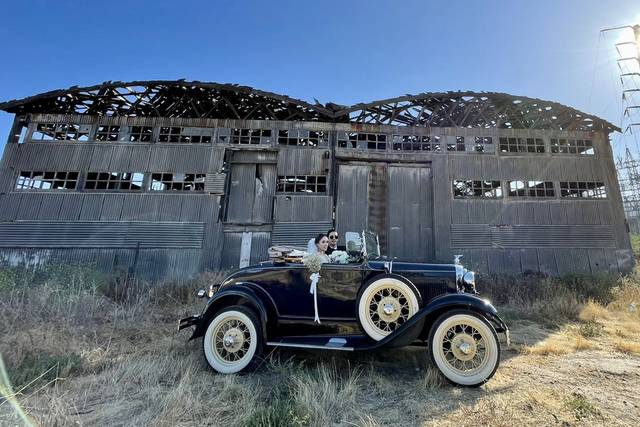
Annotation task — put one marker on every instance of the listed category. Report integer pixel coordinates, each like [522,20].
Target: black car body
[361,306]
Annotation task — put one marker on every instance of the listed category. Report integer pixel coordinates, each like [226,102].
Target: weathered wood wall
[406,196]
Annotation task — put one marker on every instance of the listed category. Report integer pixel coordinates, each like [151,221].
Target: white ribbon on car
[314,290]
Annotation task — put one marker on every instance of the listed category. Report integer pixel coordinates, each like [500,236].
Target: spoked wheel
[384,305]
[232,340]
[465,348]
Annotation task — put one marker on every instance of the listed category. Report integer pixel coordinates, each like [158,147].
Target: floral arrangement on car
[339,257]
[314,263]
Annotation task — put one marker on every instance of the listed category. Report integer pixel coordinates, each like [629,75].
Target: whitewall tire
[384,305]
[232,340]
[464,346]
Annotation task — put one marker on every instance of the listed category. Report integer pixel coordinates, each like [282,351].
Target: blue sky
[339,51]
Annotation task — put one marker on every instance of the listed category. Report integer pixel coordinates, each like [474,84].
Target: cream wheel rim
[385,306]
[230,342]
[465,349]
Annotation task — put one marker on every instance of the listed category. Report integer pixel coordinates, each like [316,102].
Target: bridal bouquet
[314,263]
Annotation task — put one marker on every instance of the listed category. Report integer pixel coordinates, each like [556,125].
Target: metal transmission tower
[627,165]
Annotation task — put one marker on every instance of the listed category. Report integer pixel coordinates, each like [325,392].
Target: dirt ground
[148,374]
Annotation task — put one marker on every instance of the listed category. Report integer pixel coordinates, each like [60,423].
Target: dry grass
[629,347]
[593,311]
[110,356]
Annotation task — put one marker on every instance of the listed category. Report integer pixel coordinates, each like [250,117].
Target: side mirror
[354,243]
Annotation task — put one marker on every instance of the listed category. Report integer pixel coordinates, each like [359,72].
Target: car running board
[340,342]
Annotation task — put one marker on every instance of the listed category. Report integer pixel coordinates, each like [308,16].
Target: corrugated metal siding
[100,234]
[303,161]
[410,213]
[215,183]
[297,233]
[531,236]
[260,242]
[303,208]
[353,196]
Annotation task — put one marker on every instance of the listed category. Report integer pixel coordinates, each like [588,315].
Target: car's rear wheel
[384,305]
[233,340]
[464,346]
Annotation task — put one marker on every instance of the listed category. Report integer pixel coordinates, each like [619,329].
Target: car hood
[417,267]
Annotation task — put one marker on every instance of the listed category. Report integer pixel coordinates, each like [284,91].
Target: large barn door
[353,195]
[393,201]
[410,213]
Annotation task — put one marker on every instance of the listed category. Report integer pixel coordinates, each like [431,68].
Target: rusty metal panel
[353,195]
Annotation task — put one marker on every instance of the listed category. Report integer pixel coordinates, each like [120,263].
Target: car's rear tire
[233,340]
[464,346]
[384,305]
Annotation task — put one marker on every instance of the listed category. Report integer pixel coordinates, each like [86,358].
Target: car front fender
[238,294]
[439,305]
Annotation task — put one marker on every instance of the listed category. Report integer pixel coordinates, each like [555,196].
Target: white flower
[339,257]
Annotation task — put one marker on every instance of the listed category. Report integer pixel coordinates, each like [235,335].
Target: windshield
[371,244]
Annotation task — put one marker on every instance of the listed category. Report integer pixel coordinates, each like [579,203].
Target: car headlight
[469,279]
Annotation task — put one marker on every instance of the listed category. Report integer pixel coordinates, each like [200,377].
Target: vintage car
[363,305]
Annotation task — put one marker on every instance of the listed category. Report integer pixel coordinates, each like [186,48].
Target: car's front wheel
[232,340]
[464,346]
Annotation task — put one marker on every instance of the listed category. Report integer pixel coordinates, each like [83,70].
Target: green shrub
[39,369]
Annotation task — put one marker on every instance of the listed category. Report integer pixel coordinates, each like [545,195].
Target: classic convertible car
[362,305]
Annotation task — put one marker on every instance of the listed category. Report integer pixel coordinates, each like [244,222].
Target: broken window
[572,146]
[530,189]
[482,144]
[114,181]
[185,135]
[416,143]
[521,145]
[302,184]
[481,189]
[34,180]
[301,137]
[60,132]
[244,136]
[364,141]
[140,133]
[108,133]
[583,190]
[177,181]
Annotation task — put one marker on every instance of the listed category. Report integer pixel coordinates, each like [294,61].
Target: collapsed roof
[179,98]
